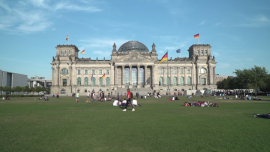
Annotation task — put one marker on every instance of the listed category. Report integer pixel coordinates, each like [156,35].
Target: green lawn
[158,125]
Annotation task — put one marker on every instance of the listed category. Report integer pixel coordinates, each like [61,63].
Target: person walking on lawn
[129,100]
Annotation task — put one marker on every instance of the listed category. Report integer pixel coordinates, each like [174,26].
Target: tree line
[253,78]
[26,89]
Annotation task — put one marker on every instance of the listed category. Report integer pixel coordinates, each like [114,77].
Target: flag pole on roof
[67,39]
[197,36]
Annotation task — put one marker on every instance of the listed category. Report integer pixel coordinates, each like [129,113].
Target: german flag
[83,52]
[67,38]
[164,58]
[196,36]
[103,76]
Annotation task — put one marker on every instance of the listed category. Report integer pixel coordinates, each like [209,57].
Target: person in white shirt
[115,103]
[88,94]
[134,102]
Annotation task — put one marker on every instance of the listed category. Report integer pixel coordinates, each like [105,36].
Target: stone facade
[132,66]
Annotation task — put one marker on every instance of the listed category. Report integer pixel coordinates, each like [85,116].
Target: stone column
[192,75]
[153,76]
[209,71]
[171,77]
[178,79]
[138,78]
[123,76]
[115,75]
[145,71]
[70,75]
[53,70]
[130,76]
[164,79]
[185,76]
[198,71]
[58,75]
[214,73]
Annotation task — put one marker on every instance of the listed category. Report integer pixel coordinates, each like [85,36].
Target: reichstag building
[132,66]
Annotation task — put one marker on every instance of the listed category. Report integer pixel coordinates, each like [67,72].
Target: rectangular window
[86,71]
[174,71]
[100,71]
[64,82]
[79,71]
[160,71]
[203,81]
[205,52]
[167,70]
[201,51]
[188,71]
[108,71]
[93,71]
[181,71]
[198,51]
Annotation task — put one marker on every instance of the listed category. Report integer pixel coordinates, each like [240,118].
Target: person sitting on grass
[115,103]
[176,98]
[186,104]
[40,98]
[3,98]
[7,98]
[134,102]
[215,105]
[46,98]
[194,104]
[267,116]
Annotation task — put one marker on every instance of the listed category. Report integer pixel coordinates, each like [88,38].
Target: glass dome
[133,46]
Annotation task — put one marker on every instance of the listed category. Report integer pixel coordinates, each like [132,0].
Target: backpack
[131,95]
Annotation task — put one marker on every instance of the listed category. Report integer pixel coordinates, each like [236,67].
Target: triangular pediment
[136,57]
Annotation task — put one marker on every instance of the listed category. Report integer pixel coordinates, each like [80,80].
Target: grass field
[158,125]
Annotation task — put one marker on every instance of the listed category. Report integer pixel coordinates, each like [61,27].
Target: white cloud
[202,23]
[223,65]
[218,24]
[36,15]
[255,21]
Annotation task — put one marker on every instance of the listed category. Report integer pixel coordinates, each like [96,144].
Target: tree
[252,78]
[38,89]
[27,89]
[32,89]
[1,89]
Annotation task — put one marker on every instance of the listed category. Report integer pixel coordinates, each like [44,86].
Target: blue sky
[238,31]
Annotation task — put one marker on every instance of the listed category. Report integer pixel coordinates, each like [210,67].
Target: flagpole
[199,38]
[168,69]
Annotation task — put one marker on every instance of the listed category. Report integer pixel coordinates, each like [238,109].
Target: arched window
[79,82]
[198,51]
[108,81]
[182,81]
[94,82]
[189,80]
[63,91]
[205,51]
[85,81]
[61,52]
[64,71]
[168,81]
[69,52]
[174,81]
[201,51]
[160,81]
[203,70]
[100,82]
[65,52]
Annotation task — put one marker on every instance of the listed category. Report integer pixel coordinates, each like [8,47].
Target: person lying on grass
[262,116]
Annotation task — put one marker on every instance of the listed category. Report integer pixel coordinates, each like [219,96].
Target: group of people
[57,95]
[200,104]
[6,98]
